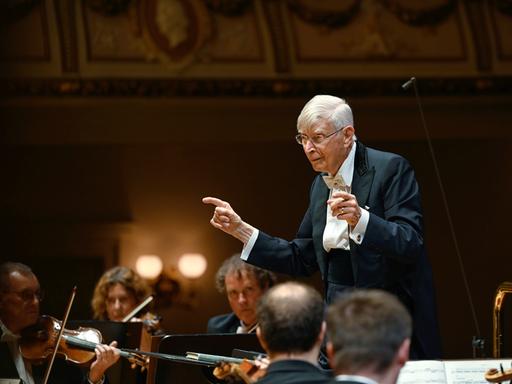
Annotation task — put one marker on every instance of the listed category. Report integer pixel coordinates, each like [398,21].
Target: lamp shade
[192,265]
[149,266]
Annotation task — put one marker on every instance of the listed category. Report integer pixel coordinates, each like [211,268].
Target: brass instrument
[503,289]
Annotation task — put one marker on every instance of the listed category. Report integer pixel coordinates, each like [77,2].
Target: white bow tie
[335,182]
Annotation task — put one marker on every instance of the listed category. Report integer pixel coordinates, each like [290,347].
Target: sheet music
[471,371]
[449,371]
[423,372]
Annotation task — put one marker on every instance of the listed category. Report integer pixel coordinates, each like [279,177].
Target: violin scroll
[494,375]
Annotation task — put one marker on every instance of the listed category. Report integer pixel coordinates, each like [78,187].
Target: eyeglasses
[28,296]
[317,139]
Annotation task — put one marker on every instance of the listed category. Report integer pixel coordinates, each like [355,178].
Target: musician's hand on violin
[262,362]
[106,356]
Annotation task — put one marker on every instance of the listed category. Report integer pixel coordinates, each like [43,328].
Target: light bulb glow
[149,266]
[192,265]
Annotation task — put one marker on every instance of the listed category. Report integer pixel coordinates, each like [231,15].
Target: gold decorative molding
[274,17]
[174,30]
[66,23]
[427,15]
[310,12]
[228,7]
[167,88]
[108,7]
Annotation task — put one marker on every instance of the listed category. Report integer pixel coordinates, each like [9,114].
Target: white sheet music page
[471,371]
[449,371]
[423,372]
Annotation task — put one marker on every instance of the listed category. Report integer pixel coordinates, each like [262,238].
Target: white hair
[324,107]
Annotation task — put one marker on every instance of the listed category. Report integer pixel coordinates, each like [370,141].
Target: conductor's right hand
[227,220]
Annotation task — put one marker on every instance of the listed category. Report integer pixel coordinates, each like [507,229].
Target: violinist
[291,330]
[117,293]
[20,297]
[243,285]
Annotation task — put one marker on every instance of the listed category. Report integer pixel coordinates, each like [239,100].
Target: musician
[291,329]
[243,285]
[369,333]
[19,308]
[117,293]
[363,226]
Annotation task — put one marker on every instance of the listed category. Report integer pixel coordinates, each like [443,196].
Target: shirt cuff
[357,233]
[246,251]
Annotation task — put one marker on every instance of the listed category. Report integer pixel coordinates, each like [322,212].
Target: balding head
[290,317]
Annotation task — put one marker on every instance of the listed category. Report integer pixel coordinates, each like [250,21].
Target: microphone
[477,342]
[408,83]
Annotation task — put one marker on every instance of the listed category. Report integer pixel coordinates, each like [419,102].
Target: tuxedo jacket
[227,323]
[392,254]
[294,372]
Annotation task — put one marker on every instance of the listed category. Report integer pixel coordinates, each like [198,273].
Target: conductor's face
[243,293]
[325,147]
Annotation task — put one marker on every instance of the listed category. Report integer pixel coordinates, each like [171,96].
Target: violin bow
[136,310]
[59,337]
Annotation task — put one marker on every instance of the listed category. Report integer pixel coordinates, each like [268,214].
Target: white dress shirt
[336,232]
[359,379]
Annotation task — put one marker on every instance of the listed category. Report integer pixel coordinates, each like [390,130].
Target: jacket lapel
[363,176]
[319,196]
[361,185]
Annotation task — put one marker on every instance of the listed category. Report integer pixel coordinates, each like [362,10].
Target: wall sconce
[169,286]
[192,265]
[149,266]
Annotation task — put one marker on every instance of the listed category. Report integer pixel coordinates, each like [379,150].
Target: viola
[38,342]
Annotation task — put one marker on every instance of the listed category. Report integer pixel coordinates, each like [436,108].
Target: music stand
[127,335]
[216,344]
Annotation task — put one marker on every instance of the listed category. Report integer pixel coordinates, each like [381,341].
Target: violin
[246,372]
[494,375]
[37,343]
[233,369]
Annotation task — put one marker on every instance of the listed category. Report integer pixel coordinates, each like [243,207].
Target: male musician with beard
[20,297]
[243,285]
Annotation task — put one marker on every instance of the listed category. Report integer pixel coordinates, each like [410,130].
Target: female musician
[117,293]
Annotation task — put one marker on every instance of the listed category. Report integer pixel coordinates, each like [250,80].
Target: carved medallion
[174,30]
